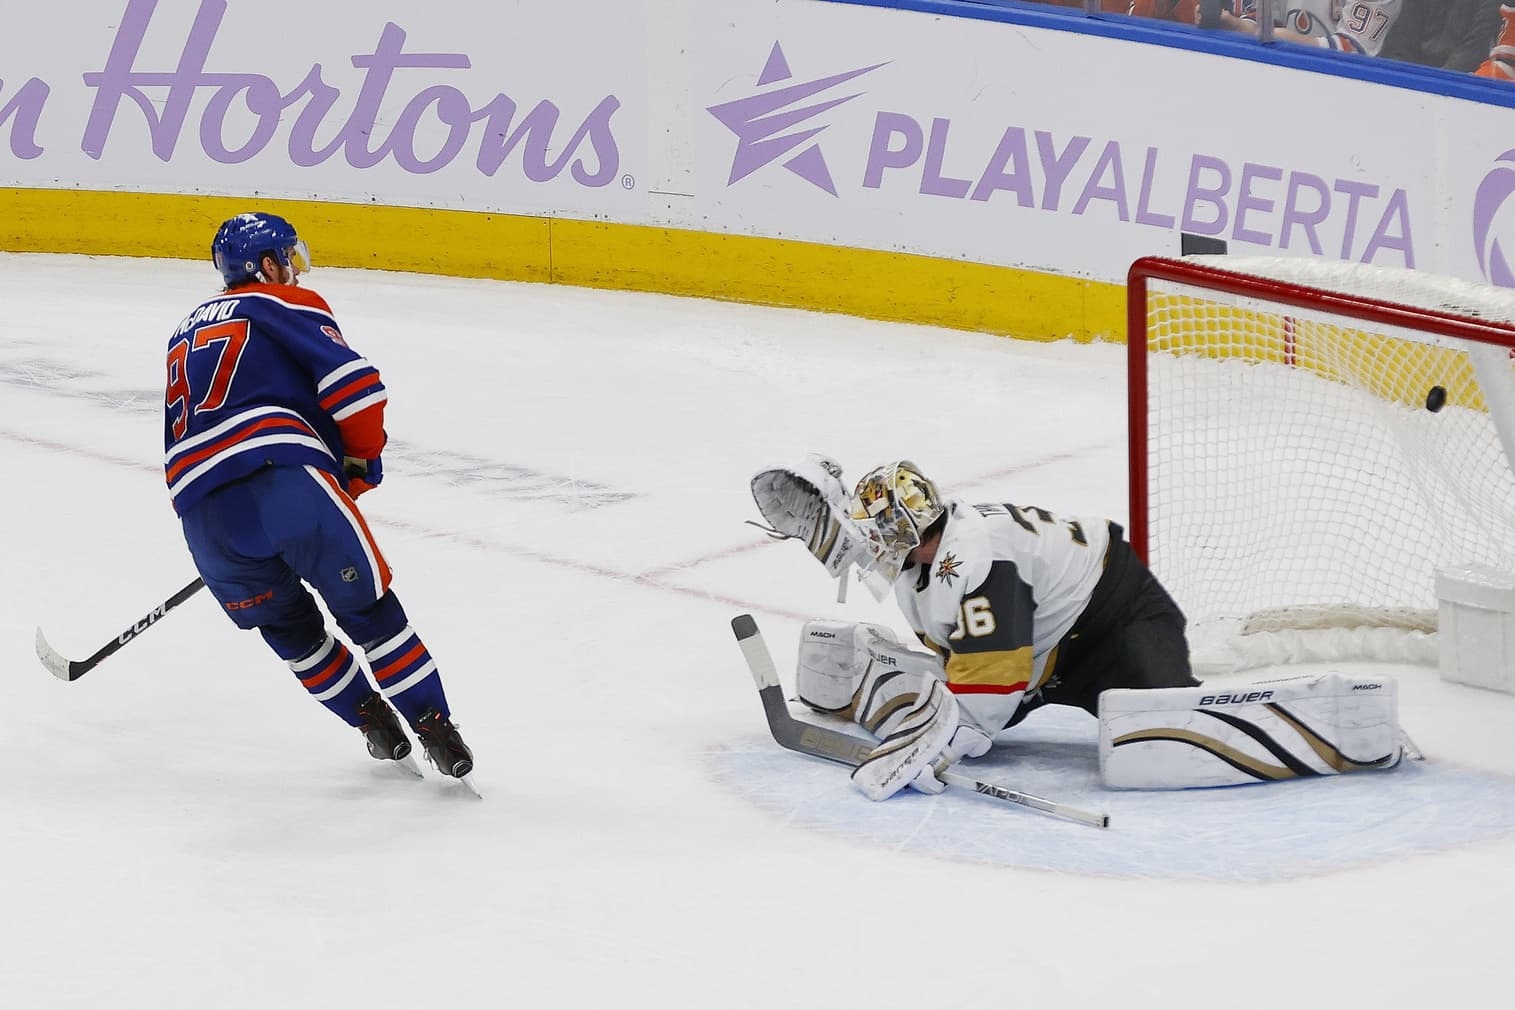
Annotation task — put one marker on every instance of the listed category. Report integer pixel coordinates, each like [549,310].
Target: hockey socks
[407,675]
[333,677]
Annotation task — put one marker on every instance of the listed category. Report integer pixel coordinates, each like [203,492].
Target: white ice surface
[563,508]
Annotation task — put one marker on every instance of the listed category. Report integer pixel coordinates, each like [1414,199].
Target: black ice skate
[444,746]
[381,728]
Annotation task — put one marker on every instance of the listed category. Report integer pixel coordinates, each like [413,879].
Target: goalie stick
[71,669]
[844,748]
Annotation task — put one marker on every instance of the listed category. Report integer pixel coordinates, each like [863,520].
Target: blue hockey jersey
[261,375]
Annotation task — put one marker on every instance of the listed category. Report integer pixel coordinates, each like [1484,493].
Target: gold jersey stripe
[992,669]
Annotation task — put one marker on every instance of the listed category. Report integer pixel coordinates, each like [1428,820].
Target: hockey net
[1310,441]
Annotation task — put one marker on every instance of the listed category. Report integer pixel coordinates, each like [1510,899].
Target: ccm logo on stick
[141,626]
[253,602]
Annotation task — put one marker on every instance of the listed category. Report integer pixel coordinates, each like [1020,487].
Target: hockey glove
[363,475]
[808,502]
[921,729]
[967,742]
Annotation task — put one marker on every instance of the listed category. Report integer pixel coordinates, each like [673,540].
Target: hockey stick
[844,748]
[68,669]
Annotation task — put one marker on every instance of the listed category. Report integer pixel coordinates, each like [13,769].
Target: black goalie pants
[1130,635]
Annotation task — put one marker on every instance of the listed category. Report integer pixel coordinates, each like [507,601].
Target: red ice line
[655,578]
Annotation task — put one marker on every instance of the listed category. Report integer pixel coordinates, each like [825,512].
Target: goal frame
[1211,277]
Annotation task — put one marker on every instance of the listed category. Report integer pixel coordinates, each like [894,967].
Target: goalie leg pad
[835,656]
[1184,738]
[832,662]
[886,653]
[918,732]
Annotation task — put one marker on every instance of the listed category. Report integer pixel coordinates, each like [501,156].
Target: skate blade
[408,762]
[467,781]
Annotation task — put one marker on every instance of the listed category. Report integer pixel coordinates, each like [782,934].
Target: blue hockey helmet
[242,242]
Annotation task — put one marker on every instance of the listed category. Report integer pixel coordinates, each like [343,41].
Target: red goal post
[1310,441]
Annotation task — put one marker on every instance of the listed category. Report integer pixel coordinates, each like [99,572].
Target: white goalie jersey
[1007,584]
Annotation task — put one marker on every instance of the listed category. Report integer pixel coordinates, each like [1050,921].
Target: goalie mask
[895,504]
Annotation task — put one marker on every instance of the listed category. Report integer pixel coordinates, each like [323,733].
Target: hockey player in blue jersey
[273,427]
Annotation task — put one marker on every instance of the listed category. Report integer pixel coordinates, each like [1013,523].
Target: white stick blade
[51,658]
[758,660]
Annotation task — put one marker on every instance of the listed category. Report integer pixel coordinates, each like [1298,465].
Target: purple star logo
[761,121]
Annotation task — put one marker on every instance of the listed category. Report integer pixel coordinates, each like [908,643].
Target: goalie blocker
[1184,738]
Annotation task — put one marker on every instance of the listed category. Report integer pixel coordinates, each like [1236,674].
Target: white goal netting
[1312,440]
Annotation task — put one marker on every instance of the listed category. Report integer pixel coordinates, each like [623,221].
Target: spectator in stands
[1450,34]
[1354,26]
[1183,11]
[1500,64]
[1105,6]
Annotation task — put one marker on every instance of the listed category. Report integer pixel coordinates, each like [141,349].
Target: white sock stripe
[333,691]
[426,670]
[315,658]
[383,649]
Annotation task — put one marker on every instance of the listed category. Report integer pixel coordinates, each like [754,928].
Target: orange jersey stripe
[336,396]
[287,293]
[184,463]
[389,670]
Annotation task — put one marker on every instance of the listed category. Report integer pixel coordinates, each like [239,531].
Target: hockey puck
[1436,398]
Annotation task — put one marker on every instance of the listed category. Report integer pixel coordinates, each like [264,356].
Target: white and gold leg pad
[1191,737]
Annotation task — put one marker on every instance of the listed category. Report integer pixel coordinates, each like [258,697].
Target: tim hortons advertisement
[825,122]
[463,104]
[1075,154]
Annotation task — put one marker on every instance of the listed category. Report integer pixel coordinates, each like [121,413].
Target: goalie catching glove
[808,502]
[861,672]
